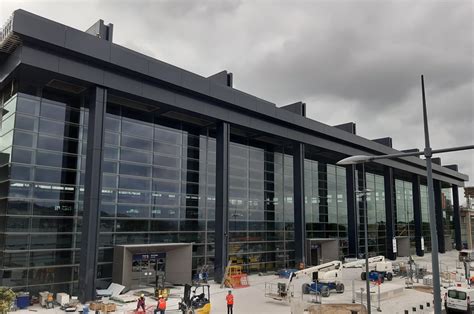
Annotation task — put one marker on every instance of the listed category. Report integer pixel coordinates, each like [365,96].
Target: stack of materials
[62,298]
[428,280]
[103,307]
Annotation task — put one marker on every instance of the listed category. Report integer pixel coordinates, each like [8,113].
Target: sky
[349,61]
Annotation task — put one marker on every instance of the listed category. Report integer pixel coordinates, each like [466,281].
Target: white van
[459,299]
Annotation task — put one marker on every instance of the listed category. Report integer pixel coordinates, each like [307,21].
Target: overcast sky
[354,61]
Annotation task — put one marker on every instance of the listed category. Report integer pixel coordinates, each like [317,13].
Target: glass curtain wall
[448,222]
[260,207]
[326,202]
[41,191]
[375,201]
[425,218]
[404,217]
[158,185]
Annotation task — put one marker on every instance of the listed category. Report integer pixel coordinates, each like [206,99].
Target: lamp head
[353,160]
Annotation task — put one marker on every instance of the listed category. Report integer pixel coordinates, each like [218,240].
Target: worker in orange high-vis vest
[230,302]
[161,307]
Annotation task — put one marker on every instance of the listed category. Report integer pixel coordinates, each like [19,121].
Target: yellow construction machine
[198,303]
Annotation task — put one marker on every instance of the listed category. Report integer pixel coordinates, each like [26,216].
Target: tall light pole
[428,153]
[363,193]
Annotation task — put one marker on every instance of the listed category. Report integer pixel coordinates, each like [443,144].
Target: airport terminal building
[104,150]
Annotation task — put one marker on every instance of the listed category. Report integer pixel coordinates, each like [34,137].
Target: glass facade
[326,202]
[425,218]
[448,223]
[261,220]
[158,186]
[41,191]
[375,202]
[404,217]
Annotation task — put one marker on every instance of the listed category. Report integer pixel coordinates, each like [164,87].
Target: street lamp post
[363,193]
[428,153]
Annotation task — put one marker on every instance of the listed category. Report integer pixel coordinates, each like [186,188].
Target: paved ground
[251,300]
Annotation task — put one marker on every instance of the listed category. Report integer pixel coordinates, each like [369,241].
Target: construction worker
[230,302]
[161,307]
[141,303]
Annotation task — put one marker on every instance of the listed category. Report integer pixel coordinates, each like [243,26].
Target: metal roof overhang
[64,50]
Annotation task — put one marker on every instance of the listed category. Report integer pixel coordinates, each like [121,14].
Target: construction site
[402,286]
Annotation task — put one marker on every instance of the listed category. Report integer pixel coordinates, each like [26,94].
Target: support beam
[298,202]
[222,201]
[389,187]
[456,218]
[352,222]
[439,215]
[92,195]
[417,214]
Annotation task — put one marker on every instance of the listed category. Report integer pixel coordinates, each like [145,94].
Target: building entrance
[321,250]
[146,266]
[138,266]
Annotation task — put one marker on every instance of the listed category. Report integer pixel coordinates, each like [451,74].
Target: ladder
[226,274]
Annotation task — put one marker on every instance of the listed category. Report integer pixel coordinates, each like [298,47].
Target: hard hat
[160,296]
[142,295]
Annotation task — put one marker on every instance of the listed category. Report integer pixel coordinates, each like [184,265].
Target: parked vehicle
[459,299]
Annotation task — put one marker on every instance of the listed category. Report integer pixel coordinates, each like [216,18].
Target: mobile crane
[378,268]
[324,278]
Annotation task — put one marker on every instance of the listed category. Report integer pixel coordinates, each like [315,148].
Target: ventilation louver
[8,39]
[66,86]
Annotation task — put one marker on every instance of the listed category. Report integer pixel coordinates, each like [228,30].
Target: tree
[7,297]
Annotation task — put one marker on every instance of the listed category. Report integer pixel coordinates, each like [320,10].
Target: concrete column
[352,222]
[439,215]
[92,195]
[456,218]
[417,213]
[222,201]
[298,202]
[389,187]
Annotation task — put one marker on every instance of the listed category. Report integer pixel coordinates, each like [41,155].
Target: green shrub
[7,297]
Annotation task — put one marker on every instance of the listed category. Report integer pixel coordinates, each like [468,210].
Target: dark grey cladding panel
[452,167]
[87,44]
[38,27]
[283,114]
[40,59]
[297,108]
[387,141]
[220,91]
[195,82]
[436,160]
[347,127]
[265,108]
[245,100]
[411,150]
[193,104]
[219,78]
[164,72]
[159,94]
[239,118]
[81,71]
[9,65]
[123,84]
[122,56]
